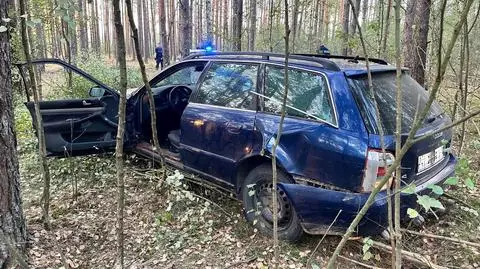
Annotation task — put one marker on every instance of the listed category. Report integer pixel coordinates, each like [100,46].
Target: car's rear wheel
[257,191]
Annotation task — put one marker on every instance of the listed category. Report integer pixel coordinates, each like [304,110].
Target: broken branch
[451,239]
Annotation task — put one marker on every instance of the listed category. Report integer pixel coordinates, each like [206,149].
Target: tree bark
[253,25]
[106,29]
[345,24]
[172,30]
[140,26]
[353,25]
[296,6]
[386,29]
[146,31]
[208,17]
[225,24]
[122,63]
[237,24]
[82,26]
[185,27]
[415,38]
[12,221]
[364,13]
[163,33]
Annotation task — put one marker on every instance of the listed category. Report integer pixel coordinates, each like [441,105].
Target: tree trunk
[82,26]
[151,100]
[253,25]
[208,15]
[146,30]
[185,27]
[415,38]
[345,24]
[163,33]
[225,24]
[326,20]
[153,8]
[296,5]
[386,28]
[12,222]
[364,14]
[172,30]
[140,27]
[106,29]
[353,25]
[42,152]
[237,15]
[122,63]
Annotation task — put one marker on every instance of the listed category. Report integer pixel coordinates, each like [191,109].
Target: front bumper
[318,207]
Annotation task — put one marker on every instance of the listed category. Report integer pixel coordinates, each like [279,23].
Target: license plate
[430,159]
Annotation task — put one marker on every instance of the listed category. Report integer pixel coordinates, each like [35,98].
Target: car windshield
[414,97]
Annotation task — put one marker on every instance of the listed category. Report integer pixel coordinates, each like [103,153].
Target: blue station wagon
[218,114]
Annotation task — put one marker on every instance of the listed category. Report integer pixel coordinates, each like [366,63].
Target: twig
[325,234]
[212,202]
[458,200]
[248,260]
[415,258]
[455,240]
[359,263]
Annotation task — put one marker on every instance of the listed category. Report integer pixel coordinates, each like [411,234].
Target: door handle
[86,103]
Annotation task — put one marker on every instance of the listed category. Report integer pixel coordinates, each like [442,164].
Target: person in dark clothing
[159,56]
[323,50]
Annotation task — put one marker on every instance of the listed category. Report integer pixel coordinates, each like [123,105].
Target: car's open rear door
[77,126]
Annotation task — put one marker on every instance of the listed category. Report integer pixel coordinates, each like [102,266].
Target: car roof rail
[325,63]
[353,59]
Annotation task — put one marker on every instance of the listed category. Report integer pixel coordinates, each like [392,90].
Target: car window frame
[162,74]
[329,89]
[255,105]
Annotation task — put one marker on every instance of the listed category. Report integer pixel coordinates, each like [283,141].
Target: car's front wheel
[257,191]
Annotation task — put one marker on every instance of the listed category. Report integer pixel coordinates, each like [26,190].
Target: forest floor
[186,226]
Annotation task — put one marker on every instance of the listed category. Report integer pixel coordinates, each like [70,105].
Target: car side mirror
[96,92]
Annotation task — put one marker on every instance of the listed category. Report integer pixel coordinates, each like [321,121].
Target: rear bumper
[318,207]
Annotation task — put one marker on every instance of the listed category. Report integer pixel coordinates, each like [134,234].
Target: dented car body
[218,116]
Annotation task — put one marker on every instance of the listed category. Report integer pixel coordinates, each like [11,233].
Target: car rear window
[414,97]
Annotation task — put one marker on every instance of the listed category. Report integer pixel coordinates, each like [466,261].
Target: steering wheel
[178,97]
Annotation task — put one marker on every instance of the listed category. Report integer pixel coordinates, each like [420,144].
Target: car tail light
[375,169]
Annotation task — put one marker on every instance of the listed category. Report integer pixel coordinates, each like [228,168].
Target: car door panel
[217,126]
[77,126]
[215,138]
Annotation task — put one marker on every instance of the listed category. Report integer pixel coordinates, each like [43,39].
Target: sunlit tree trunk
[237,20]
[345,24]
[185,27]
[146,30]
[12,221]
[225,25]
[253,25]
[208,17]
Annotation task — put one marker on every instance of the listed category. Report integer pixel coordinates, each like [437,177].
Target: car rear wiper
[433,118]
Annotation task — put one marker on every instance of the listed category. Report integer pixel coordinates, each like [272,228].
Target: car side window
[308,94]
[230,85]
[187,75]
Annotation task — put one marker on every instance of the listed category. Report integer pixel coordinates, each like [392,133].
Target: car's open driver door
[77,126]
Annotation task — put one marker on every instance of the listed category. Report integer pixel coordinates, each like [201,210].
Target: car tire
[255,189]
